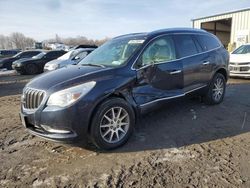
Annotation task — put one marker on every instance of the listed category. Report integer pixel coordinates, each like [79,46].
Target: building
[232,28]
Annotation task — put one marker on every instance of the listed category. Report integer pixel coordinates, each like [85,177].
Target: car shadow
[188,121]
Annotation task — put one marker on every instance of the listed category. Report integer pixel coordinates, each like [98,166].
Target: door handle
[175,72]
[206,62]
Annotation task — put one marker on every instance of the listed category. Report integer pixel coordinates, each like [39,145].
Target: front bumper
[73,121]
[240,70]
[18,68]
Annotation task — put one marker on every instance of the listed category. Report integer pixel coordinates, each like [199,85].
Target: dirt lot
[184,144]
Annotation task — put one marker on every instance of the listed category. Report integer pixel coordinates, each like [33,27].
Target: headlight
[17,64]
[52,66]
[68,96]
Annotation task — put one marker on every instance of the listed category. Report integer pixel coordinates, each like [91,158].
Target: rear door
[193,60]
[212,56]
[159,73]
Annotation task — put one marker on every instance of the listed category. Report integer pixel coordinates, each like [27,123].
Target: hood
[69,75]
[239,58]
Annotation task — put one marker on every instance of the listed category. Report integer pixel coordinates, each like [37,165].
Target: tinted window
[197,44]
[29,54]
[54,54]
[160,50]
[8,52]
[186,45]
[208,42]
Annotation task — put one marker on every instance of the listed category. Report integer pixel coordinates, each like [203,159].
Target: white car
[240,62]
[70,58]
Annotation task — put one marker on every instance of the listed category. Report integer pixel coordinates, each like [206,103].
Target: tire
[111,116]
[9,66]
[31,69]
[216,90]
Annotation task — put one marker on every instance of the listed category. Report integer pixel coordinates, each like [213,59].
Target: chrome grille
[32,98]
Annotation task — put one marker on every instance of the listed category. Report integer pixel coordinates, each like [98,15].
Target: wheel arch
[222,71]
[117,94]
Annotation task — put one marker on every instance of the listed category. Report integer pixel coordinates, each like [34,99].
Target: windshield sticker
[136,41]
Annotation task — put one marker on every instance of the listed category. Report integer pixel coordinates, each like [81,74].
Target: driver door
[159,73]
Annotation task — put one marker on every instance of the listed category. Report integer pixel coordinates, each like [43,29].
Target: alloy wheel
[114,124]
[218,89]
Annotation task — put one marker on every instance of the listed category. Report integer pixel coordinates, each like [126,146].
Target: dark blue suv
[102,96]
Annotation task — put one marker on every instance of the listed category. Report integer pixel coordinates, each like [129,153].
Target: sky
[97,19]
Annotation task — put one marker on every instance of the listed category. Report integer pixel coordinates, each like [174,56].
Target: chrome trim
[176,72]
[132,67]
[206,63]
[195,89]
[177,96]
[33,90]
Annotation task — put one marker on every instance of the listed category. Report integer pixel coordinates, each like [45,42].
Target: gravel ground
[184,144]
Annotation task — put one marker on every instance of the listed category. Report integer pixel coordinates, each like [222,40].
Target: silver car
[70,58]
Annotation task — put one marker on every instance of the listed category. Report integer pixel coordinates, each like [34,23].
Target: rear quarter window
[208,42]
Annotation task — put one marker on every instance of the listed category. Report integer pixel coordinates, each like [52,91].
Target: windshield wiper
[91,64]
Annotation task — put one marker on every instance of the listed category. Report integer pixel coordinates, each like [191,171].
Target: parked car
[84,46]
[102,97]
[70,58]
[239,65]
[36,64]
[8,53]
[7,62]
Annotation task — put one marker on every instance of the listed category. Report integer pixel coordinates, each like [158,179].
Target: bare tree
[16,40]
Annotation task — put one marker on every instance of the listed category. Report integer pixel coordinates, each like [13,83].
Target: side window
[52,54]
[57,54]
[160,50]
[197,44]
[208,42]
[25,54]
[80,55]
[185,45]
[28,54]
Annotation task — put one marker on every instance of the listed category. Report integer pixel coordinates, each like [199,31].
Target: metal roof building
[232,28]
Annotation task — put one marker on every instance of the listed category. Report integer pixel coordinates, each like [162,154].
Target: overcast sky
[42,19]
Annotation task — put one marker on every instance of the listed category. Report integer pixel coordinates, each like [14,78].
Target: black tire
[210,97]
[31,69]
[96,132]
[9,66]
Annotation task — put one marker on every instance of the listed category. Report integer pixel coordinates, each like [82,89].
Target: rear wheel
[31,69]
[112,124]
[216,90]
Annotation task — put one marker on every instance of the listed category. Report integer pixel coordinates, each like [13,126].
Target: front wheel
[112,124]
[31,69]
[216,90]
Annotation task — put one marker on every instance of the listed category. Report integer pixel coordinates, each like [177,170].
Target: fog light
[51,130]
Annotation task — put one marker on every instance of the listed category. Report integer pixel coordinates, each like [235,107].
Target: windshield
[245,49]
[40,55]
[68,55]
[113,53]
[18,54]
